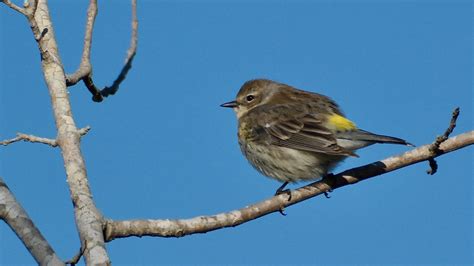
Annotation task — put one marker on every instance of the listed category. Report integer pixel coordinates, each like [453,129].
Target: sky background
[163,148]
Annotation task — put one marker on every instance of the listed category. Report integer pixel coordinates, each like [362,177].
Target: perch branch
[203,224]
[19,221]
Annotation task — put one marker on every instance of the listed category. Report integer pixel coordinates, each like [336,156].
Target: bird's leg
[326,193]
[280,191]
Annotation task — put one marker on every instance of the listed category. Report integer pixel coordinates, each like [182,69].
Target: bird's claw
[326,193]
[325,177]
[282,211]
[280,191]
[285,191]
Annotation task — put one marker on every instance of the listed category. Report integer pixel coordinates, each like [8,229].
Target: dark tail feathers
[363,135]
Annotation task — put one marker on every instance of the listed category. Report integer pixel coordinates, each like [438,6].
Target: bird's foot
[282,190]
[282,211]
[326,193]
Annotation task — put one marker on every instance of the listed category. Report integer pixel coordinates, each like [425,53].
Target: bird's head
[252,94]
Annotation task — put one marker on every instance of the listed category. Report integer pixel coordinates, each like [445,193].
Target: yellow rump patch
[338,122]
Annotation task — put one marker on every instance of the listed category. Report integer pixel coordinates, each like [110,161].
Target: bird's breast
[285,164]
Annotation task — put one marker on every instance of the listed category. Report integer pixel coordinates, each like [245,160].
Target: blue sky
[163,148]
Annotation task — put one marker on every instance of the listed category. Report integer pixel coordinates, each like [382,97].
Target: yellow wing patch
[338,122]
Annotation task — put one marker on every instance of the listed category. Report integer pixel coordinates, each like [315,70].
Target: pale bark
[85,68]
[19,221]
[87,216]
[35,139]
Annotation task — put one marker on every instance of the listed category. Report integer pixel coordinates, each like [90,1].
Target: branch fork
[84,72]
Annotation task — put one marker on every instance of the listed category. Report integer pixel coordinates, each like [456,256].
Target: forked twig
[434,148]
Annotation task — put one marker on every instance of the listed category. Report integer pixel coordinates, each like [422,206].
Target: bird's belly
[287,165]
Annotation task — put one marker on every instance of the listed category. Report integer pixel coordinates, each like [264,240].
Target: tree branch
[434,148]
[132,50]
[30,138]
[203,224]
[85,68]
[13,6]
[19,221]
[34,139]
[89,220]
[84,72]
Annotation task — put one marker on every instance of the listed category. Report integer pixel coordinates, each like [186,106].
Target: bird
[292,135]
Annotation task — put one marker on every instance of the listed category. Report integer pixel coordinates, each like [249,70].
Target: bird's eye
[250,98]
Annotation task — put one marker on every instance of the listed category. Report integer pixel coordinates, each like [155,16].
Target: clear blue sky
[163,148]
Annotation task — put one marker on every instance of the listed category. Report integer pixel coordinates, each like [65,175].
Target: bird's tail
[365,136]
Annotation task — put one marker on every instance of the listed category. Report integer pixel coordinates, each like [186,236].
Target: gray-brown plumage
[293,135]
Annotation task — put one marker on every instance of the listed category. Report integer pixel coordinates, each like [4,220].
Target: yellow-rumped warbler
[293,135]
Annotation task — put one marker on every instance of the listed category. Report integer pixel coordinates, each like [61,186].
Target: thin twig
[85,67]
[84,72]
[132,50]
[13,6]
[434,147]
[96,95]
[83,131]
[30,138]
[35,139]
[74,260]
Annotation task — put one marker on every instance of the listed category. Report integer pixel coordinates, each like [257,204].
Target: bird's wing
[302,130]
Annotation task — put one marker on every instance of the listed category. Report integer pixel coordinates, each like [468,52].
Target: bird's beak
[231,104]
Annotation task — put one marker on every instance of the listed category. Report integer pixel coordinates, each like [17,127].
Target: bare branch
[13,6]
[83,131]
[84,72]
[85,68]
[449,130]
[89,220]
[30,138]
[19,221]
[34,139]
[74,260]
[132,50]
[96,94]
[203,224]
[434,148]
